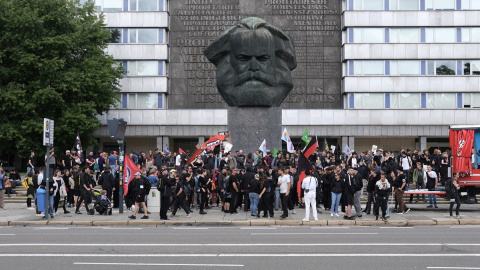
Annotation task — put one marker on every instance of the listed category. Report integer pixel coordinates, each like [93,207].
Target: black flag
[78,146]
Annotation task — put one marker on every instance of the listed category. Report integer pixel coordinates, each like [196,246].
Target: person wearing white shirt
[284,184]
[309,185]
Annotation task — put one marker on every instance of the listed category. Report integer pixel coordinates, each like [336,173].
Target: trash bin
[41,194]
[153,201]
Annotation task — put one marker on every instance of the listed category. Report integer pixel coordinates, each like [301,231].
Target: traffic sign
[48,127]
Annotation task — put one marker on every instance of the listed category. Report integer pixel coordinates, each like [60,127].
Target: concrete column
[159,143]
[423,143]
[351,143]
[162,141]
[201,140]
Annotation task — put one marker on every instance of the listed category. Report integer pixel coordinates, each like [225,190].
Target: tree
[53,65]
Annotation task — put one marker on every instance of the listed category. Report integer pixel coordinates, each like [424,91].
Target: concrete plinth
[249,126]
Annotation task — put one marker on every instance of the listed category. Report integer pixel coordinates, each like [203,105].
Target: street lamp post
[116,128]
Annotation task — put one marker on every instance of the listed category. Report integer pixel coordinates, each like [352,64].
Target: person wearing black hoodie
[247,178]
[372,180]
[108,182]
[165,189]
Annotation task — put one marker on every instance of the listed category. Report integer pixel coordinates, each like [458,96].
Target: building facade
[394,73]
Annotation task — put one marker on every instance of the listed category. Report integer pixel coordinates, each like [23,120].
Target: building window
[405,68]
[369,35]
[143,36]
[471,67]
[470,4]
[471,100]
[369,67]
[405,101]
[115,35]
[441,101]
[145,5]
[441,67]
[404,5]
[109,5]
[440,4]
[369,101]
[440,35]
[471,34]
[404,35]
[143,101]
[146,68]
[368,4]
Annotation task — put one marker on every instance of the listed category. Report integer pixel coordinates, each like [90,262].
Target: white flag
[263,147]
[286,138]
[227,147]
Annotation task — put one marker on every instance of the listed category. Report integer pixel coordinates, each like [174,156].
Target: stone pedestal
[249,126]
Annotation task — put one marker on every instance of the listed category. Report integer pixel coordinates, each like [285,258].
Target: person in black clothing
[203,182]
[327,188]
[247,178]
[108,182]
[82,181]
[382,191]
[165,189]
[267,187]
[372,180]
[179,198]
[254,191]
[210,162]
[454,199]
[140,187]
[350,193]
[234,189]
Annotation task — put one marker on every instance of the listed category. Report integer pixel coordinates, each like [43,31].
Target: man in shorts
[139,195]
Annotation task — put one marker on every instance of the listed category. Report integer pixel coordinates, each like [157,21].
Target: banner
[129,173]
[286,138]
[263,147]
[166,150]
[78,146]
[374,149]
[347,151]
[213,141]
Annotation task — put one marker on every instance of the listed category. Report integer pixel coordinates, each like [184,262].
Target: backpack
[449,187]
[226,184]
[143,187]
[24,183]
[187,188]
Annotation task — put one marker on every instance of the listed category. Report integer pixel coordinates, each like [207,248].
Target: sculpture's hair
[221,47]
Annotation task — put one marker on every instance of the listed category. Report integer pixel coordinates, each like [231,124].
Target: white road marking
[162,264]
[315,228]
[457,255]
[7,234]
[396,227]
[258,228]
[313,233]
[453,268]
[230,244]
[190,228]
[120,228]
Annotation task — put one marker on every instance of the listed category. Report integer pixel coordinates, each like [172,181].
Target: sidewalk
[17,214]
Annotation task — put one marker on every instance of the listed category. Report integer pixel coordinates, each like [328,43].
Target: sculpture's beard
[254,89]
[254,76]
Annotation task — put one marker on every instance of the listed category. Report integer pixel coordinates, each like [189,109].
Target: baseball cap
[137,173]
[257,176]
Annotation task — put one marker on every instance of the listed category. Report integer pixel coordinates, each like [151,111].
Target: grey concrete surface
[221,247]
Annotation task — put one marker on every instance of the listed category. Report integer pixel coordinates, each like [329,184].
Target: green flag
[275,152]
[305,136]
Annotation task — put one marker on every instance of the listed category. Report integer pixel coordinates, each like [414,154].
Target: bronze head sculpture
[254,61]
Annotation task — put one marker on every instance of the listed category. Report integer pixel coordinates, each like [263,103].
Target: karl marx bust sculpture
[254,61]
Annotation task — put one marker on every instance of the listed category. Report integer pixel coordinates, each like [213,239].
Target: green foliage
[53,64]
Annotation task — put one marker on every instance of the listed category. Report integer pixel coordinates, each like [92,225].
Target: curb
[324,222]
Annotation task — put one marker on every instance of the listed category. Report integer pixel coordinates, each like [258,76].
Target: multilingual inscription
[314,25]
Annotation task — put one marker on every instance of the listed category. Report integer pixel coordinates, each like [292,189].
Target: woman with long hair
[57,177]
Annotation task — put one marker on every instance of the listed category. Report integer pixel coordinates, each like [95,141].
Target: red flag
[303,165]
[310,149]
[213,141]
[195,154]
[181,151]
[129,173]
[462,149]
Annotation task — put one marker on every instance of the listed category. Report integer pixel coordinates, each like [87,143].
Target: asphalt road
[448,247]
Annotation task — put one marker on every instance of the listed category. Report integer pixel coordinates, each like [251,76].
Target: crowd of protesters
[252,183]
